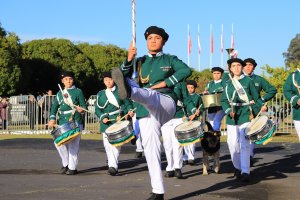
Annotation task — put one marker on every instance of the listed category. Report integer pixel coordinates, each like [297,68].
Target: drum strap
[111,97]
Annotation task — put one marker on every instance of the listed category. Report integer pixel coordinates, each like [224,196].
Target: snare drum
[120,133]
[65,133]
[211,100]
[260,130]
[188,132]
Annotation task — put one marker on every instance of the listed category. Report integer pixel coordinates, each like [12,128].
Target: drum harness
[242,95]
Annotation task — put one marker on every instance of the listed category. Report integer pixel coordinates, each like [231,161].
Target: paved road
[29,170]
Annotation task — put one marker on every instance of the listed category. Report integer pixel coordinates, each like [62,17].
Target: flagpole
[188,46]
[210,63]
[232,37]
[199,49]
[134,74]
[222,46]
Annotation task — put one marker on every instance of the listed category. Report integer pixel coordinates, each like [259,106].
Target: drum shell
[65,133]
[120,136]
[262,134]
[211,100]
[188,136]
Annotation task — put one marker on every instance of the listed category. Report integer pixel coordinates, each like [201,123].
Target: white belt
[239,104]
[66,112]
[115,112]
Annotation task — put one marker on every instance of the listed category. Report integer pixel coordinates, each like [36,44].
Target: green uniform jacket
[215,87]
[242,112]
[161,67]
[262,84]
[291,93]
[104,109]
[197,102]
[64,111]
[185,104]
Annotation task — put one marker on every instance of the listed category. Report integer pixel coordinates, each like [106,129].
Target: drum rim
[193,129]
[258,130]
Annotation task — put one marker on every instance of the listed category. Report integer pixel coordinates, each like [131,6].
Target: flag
[189,44]
[199,45]
[211,43]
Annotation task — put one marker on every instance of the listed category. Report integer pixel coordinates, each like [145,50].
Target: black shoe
[138,154]
[178,173]
[191,162]
[185,162]
[169,174]
[237,174]
[155,196]
[123,88]
[245,177]
[112,171]
[251,161]
[71,172]
[133,141]
[63,170]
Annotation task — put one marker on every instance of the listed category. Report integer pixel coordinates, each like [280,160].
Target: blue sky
[262,29]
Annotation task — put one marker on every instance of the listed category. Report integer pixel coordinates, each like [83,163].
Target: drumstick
[126,115]
[191,121]
[83,109]
[256,118]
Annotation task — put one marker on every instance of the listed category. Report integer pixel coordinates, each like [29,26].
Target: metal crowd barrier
[27,115]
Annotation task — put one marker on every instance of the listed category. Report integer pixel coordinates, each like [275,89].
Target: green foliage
[104,57]
[202,78]
[45,59]
[292,56]
[10,54]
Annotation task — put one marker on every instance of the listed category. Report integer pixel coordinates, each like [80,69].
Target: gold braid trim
[143,80]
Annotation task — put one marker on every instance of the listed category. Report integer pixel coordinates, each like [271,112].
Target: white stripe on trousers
[239,147]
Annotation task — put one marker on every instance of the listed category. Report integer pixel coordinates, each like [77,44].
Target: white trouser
[189,152]
[69,152]
[112,152]
[239,147]
[161,109]
[297,127]
[139,147]
[215,119]
[172,148]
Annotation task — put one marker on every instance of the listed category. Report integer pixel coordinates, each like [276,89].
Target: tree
[48,57]
[10,55]
[292,56]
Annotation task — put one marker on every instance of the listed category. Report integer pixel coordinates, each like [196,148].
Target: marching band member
[238,99]
[291,91]
[158,73]
[215,114]
[68,152]
[189,150]
[108,107]
[173,150]
[260,84]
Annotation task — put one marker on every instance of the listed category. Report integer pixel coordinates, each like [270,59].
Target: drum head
[256,125]
[186,126]
[117,126]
